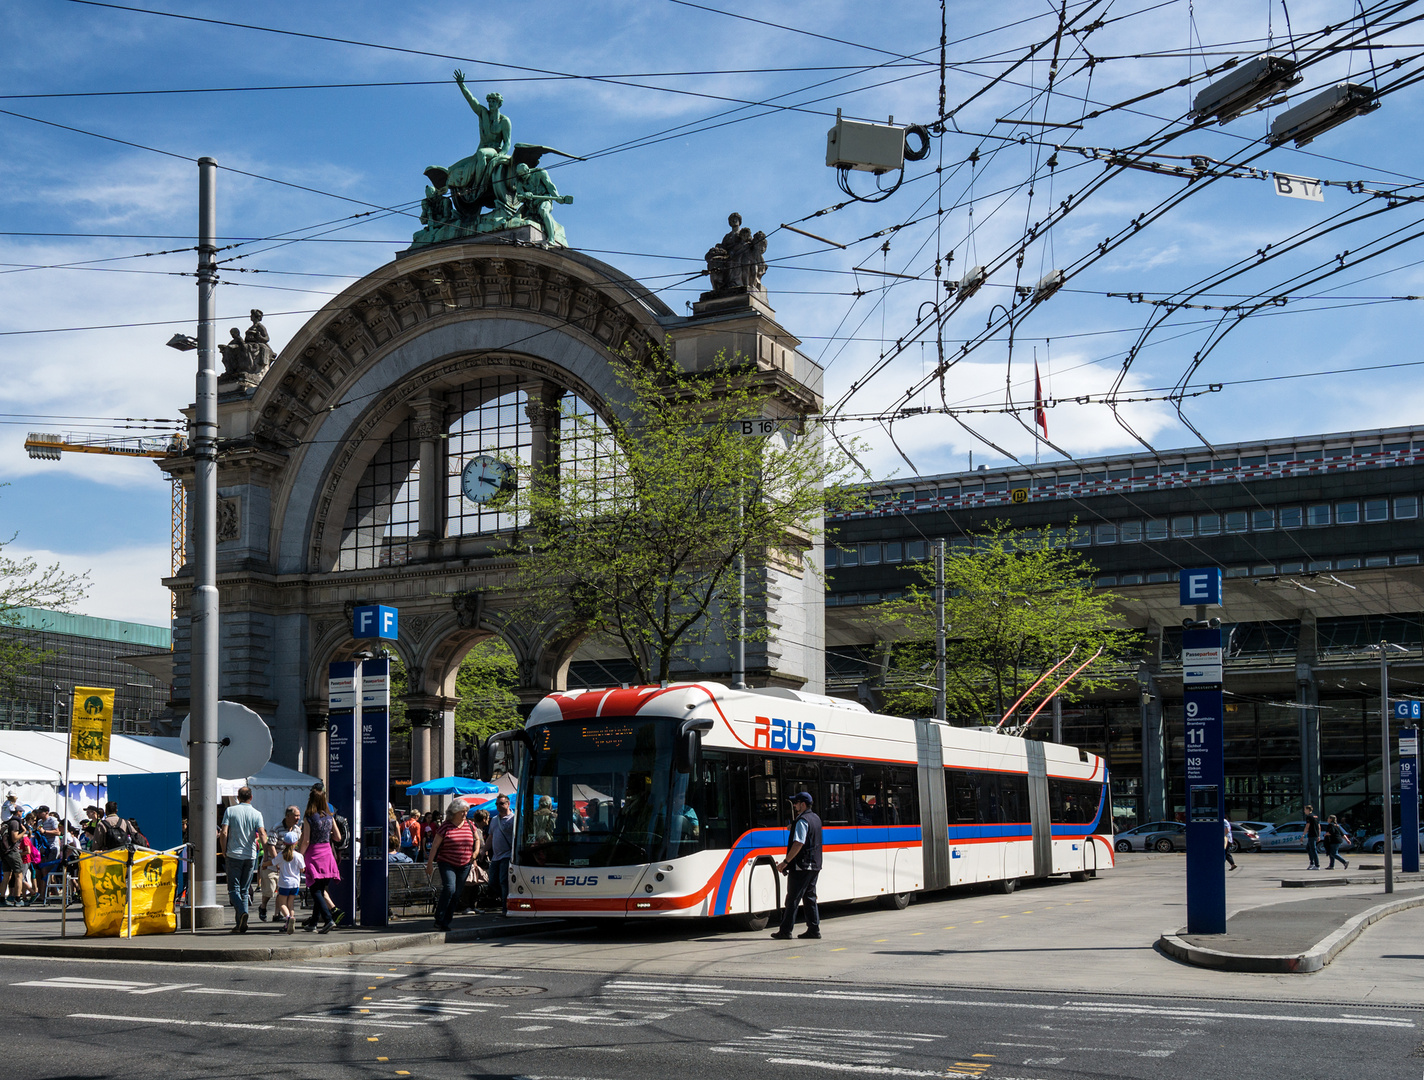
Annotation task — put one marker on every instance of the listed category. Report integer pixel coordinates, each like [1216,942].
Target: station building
[1319,539]
[78,650]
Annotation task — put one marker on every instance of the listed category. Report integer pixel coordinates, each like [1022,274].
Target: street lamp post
[1384,769]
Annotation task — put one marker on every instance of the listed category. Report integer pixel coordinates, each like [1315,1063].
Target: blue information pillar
[343,715]
[1409,799]
[1204,757]
[375,787]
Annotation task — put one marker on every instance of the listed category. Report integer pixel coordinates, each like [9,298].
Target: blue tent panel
[452,785]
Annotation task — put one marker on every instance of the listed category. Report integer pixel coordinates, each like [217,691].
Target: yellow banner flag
[103,887]
[91,723]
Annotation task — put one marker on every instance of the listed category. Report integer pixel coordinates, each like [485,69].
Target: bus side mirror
[689,736]
[487,749]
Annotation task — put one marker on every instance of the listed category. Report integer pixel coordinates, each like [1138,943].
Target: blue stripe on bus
[837,836]
[1015,831]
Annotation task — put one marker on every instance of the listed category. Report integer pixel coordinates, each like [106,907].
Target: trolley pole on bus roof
[941,674]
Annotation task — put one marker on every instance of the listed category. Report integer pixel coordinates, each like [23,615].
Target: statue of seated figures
[500,186]
[738,262]
[247,354]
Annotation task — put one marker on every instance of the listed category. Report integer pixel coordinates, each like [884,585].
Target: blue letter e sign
[375,621]
[1201,587]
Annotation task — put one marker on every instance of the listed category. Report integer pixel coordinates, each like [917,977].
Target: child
[289,883]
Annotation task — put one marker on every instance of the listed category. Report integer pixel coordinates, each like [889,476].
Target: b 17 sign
[1298,187]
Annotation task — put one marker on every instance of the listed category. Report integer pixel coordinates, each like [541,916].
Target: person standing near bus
[802,866]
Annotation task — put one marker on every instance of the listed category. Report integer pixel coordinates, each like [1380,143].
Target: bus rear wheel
[895,901]
[1006,886]
[751,921]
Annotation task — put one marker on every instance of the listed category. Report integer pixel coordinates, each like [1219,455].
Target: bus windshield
[603,792]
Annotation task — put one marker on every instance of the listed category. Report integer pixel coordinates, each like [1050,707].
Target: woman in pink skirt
[320,835]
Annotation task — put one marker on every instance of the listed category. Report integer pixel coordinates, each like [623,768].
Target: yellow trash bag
[103,888]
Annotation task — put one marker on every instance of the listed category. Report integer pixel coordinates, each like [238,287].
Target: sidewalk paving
[1297,936]
[35,931]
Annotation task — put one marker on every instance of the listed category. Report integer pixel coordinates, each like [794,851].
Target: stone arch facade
[387,355]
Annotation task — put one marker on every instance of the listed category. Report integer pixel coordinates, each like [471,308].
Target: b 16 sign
[375,621]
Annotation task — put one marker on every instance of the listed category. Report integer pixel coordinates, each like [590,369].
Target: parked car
[1173,838]
[1255,826]
[1290,836]
[1136,839]
[1375,844]
[1244,838]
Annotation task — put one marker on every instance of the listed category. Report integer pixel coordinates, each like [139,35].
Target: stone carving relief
[469,607]
[736,265]
[248,355]
[229,520]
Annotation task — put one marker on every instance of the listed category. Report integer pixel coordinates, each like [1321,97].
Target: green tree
[1017,602]
[26,584]
[636,533]
[485,684]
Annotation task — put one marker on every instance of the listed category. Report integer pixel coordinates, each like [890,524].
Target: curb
[1311,960]
[1350,878]
[248,954]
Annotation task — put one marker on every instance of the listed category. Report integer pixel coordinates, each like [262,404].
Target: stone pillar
[316,759]
[1154,749]
[422,715]
[542,408]
[1308,696]
[428,425]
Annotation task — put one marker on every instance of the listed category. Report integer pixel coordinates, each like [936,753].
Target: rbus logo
[776,734]
[575,879]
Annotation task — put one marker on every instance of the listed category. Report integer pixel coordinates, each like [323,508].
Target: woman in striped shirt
[456,846]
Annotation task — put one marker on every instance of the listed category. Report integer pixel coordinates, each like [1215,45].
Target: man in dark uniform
[801,866]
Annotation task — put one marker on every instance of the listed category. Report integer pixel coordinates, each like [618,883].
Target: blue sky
[659,106]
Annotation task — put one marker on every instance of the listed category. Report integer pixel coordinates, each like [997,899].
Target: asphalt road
[387,1016]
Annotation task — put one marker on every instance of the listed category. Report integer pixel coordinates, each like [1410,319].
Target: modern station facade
[1319,539]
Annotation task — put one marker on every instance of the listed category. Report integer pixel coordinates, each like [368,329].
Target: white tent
[32,766]
[273,788]
[35,761]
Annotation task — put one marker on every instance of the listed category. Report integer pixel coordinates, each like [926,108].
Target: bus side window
[869,794]
[711,804]
[739,793]
[1013,798]
[766,794]
[834,803]
[963,797]
[798,776]
[902,803]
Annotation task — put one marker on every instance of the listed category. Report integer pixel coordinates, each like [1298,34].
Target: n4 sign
[774,733]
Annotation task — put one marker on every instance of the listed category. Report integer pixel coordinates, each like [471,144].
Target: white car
[1150,837]
[1375,844]
[1290,836]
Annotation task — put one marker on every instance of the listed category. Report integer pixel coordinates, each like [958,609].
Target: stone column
[428,425]
[316,758]
[1308,696]
[542,408]
[1154,751]
[422,714]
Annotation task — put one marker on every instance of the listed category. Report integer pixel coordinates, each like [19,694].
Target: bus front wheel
[895,901]
[1007,885]
[751,921]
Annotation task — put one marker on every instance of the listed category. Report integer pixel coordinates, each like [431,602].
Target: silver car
[1137,839]
[1375,844]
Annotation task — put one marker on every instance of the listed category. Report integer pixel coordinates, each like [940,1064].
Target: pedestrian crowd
[35,843]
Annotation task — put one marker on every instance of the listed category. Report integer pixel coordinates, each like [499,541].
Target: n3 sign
[1201,587]
[375,621]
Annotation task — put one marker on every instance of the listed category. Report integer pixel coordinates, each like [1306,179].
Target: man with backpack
[112,832]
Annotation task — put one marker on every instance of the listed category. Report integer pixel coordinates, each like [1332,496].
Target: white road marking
[226,993]
[534,1027]
[169,986]
[1128,1008]
[460,975]
[131,1020]
[66,982]
[867,1070]
[1044,1061]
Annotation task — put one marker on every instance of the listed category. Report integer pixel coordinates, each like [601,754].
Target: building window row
[1314,566]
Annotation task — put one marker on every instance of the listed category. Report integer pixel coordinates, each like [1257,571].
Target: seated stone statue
[259,351]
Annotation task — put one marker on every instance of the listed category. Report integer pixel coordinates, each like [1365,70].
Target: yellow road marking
[365,1010]
[1006,916]
[917,933]
[949,928]
[402,1072]
[841,949]
[986,1055]
[978,921]
[383,1059]
[372,1038]
[880,941]
[1025,913]
[366,998]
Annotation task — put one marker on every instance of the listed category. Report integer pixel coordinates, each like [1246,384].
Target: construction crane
[48,447]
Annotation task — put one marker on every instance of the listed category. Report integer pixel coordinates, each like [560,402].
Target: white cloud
[124,583]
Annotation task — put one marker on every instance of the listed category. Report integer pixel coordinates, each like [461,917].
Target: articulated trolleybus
[673,801]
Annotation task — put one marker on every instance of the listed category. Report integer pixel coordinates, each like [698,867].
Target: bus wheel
[752,922]
[1006,886]
[1078,875]
[895,901]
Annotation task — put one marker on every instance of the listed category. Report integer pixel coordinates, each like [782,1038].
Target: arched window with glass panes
[487,420]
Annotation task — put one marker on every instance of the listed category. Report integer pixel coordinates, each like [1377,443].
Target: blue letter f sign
[375,621]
